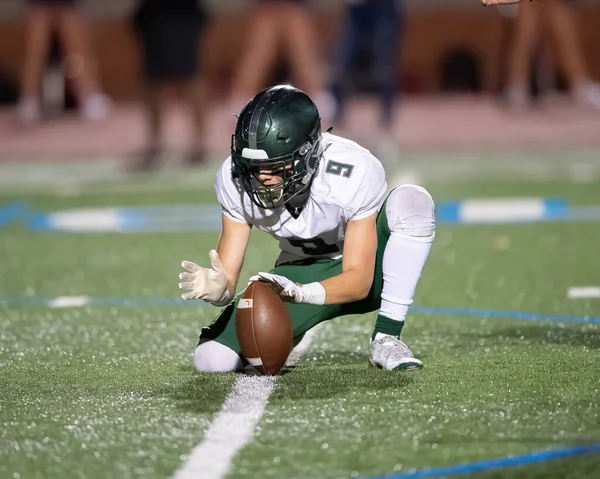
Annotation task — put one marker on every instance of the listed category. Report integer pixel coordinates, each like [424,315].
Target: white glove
[312,293]
[286,288]
[209,285]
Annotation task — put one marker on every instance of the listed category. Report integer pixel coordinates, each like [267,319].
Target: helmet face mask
[294,172]
[278,136]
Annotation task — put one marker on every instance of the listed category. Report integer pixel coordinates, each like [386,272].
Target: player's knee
[212,357]
[410,210]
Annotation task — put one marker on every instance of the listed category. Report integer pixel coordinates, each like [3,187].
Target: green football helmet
[279,132]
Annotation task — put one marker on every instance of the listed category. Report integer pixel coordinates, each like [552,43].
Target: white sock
[403,261]
[210,357]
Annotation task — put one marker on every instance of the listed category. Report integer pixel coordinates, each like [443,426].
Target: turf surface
[109,391]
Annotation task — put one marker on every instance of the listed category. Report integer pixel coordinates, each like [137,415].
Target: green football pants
[306,316]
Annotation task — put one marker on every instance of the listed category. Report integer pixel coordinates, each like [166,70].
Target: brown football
[264,328]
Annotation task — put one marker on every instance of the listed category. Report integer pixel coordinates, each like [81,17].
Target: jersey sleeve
[370,191]
[228,195]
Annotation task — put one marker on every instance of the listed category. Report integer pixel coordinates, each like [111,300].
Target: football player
[346,247]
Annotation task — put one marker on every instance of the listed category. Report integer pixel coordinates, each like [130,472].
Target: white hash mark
[235,424]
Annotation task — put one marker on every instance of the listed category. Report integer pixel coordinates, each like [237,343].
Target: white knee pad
[213,357]
[410,210]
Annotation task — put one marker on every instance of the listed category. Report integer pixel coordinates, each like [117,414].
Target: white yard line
[69,301]
[231,429]
[584,292]
[234,425]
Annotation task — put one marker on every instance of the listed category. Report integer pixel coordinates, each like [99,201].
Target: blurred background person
[499,2]
[169,34]
[557,18]
[281,27]
[44,20]
[379,24]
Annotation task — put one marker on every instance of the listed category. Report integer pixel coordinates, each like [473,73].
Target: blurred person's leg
[387,35]
[386,38]
[80,66]
[154,96]
[190,84]
[301,45]
[169,39]
[194,92]
[260,53]
[154,86]
[524,41]
[562,23]
[508,13]
[347,49]
[39,24]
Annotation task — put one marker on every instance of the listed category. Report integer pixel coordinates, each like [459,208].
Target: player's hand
[286,288]
[207,284]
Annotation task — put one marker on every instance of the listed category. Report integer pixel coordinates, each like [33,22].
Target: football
[264,328]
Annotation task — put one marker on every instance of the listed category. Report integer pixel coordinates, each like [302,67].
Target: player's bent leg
[410,214]
[222,333]
[212,357]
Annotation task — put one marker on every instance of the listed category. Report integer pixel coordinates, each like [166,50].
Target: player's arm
[217,284]
[352,284]
[358,263]
[232,250]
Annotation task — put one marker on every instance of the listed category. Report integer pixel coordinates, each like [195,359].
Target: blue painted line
[207,218]
[581,213]
[12,212]
[448,213]
[505,314]
[556,209]
[167,218]
[503,210]
[40,222]
[133,219]
[141,302]
[529,458]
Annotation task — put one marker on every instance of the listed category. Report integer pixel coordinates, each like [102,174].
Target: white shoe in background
[29,111]
[517,98]
[96,106]
[587,95]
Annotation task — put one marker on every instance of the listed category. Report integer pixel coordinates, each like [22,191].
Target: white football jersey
[349,184]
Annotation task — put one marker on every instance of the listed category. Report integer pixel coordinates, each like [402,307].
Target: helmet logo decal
[254,154]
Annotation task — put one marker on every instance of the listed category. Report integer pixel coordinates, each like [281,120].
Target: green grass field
[108,389]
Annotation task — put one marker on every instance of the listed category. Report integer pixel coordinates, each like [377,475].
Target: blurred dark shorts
[170,49]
